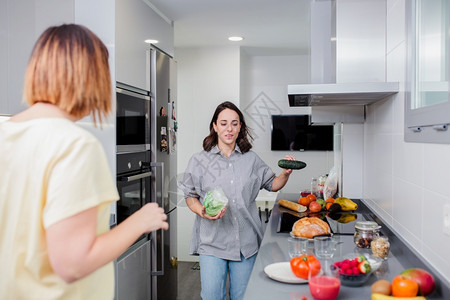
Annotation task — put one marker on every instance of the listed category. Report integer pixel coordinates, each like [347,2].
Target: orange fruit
[330,200]
[327,206]
[303,201]
[402,287]
[311,198]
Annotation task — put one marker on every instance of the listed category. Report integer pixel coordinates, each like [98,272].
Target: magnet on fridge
[162,112]
[173,111]
[163,144]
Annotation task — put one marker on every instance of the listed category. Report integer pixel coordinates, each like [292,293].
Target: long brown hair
[69,68]
[244,134]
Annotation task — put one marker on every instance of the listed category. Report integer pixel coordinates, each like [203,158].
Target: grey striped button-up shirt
[241,177]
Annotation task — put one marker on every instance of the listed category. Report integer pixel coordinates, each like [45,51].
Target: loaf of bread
[292,205]
[309,227]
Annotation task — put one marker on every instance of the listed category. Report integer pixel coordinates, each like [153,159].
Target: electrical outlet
[447,219]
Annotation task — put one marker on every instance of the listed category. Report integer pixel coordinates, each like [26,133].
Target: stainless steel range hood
[360,80]
[361,93]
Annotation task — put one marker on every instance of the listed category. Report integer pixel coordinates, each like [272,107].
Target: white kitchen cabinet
[265,202]
[136,22]
[21,23]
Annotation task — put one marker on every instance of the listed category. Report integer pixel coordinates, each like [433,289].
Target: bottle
[320,186]
[314,186]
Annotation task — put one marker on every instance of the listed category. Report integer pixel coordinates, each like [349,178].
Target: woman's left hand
[288,171]
[216,217]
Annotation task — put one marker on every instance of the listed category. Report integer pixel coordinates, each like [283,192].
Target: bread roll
[309,227]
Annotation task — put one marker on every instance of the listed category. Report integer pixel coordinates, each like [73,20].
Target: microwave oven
[132,120]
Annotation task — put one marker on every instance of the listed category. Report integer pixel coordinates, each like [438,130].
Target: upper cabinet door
[21,23]
[427,106]
[137,22]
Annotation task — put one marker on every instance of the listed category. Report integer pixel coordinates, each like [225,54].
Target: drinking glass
[326,284]
[297,246]
[294,247]
[324,247]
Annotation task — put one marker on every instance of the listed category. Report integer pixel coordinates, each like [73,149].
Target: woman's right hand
[152,217]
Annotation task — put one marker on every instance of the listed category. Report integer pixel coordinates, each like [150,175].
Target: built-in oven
[132,119]
[133,182]
[133,267]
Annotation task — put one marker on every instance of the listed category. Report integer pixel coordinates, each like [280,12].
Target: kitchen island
[274,249]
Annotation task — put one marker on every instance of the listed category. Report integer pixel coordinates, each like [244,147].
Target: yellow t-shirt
[50,169]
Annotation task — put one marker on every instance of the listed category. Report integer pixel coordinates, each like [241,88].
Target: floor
[189,286]
[188,281]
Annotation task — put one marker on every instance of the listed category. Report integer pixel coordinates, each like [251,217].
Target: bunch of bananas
[376,296]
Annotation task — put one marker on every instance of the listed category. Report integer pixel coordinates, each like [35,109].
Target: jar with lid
[365,232]
[380,247]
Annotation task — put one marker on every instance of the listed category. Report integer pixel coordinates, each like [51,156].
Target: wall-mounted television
[295,133]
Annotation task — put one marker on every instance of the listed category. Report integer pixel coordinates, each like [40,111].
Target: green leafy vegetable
[213,205]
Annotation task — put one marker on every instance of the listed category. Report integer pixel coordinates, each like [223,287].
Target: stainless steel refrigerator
[162,75]
[146,171]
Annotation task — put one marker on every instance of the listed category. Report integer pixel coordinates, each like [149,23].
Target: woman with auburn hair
[228,242]
[55,240]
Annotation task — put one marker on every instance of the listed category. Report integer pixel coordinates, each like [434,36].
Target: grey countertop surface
[274,249]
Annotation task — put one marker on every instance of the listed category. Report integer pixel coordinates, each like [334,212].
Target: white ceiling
[269,27]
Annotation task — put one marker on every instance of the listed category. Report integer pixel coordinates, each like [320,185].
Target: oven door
[132,120]
[133,191]
[133,183]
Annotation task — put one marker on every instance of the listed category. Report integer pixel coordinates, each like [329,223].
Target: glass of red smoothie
[326,284]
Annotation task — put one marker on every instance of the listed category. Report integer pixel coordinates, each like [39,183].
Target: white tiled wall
[406,183]
[352,160]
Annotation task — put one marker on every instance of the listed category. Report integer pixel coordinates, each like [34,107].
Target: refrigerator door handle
[155,271]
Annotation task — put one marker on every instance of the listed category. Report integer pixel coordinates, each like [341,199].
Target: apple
[315,206]
[424,279]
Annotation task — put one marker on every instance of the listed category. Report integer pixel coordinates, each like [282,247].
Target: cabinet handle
[441,127]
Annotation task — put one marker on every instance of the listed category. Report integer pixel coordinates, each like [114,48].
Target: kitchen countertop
[274,248]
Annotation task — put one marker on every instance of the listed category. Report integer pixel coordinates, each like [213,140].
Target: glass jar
[380,247]
[365,232]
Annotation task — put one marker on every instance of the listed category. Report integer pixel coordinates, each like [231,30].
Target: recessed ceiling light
[149,41]
[235,38]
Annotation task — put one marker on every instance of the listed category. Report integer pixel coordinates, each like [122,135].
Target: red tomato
[302,265]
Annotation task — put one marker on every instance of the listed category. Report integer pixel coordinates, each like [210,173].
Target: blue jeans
[213,274]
